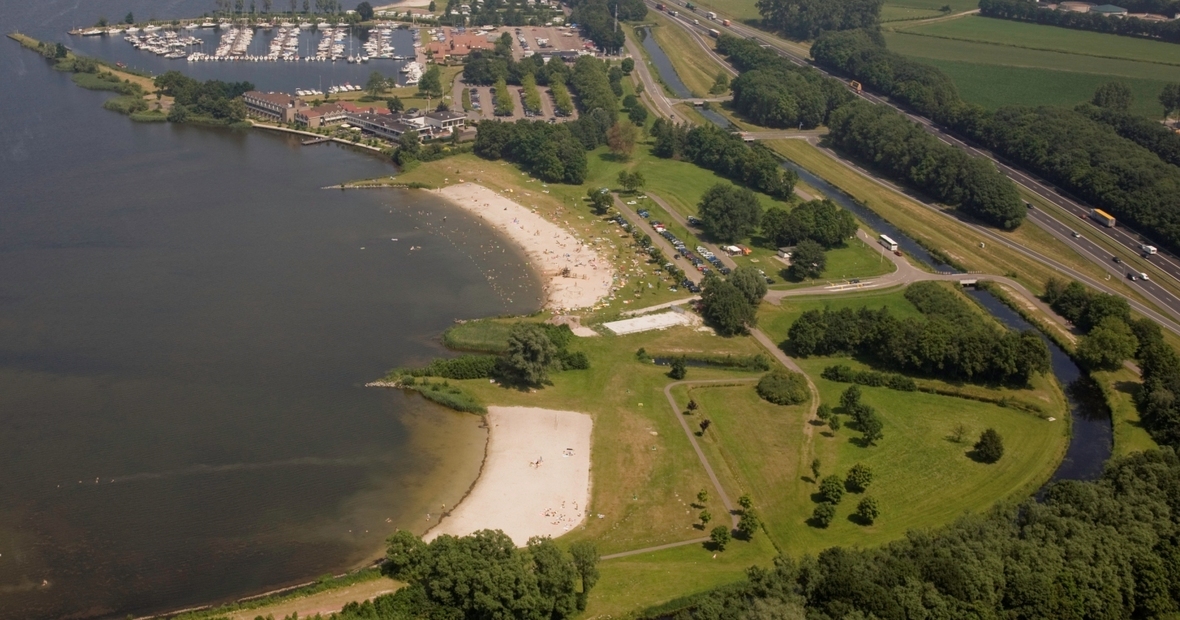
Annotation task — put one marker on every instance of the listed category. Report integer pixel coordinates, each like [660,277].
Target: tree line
[715,149]
[1141,130]
[596,18]
[807,19]
[958,343]
[730,304]
[1086,157]
[211,98]
[1102,549]
[775,92]
[821,221]
[1025,11]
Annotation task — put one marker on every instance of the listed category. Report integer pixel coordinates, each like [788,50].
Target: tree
[958,432]
[871,427]
[705,517]
[705,424]
[850,398]
[823,412]
[1114,96]
[834,423]
[725,307]
[751,283]
[815,470]
[408,145]
[729,213]
[628,65]
[600,200]
[990,446]
[621,139]
[702,496]
[745,502]
[720,84]
[377,84]
[1107,345]
[586,557]
[831,489]
[868,510]
[531,354]
[1170,99]
[395,104]
[129,18]
[808,260]
[631,181]
[859,477]
[430,84]
[692,405]
[432,7]
[719,537]
[749,523]
[823,515]
[679,368]
[557,576]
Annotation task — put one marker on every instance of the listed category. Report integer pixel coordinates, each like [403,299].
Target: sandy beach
[535,479]
[551,248]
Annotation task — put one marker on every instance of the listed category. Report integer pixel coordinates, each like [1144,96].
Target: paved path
[641,224]
[695,541]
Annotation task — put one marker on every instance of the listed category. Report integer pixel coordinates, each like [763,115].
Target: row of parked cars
[697,259]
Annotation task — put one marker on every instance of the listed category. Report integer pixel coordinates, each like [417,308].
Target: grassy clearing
[894,13]
[1120,387]
[957,6]
[696,69]
[745,10]
[956,240]
[993,75]
[637,582]
[1050,38]
[854,260]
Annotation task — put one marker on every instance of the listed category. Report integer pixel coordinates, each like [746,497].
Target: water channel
[669,77]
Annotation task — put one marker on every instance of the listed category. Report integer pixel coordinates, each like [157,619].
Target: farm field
[997,62]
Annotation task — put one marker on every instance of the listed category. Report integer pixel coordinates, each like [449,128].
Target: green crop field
[998,62]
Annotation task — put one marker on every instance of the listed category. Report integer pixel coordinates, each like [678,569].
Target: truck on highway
[1148,250]
[711,15]
[660,7]
[1102,217]
[713,32]
[725,22]
[856,86]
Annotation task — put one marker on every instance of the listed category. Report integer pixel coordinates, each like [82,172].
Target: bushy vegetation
[711,147]
[551,152]
[450,396]
[882,137]
[730,304]
[756,362]
[952,341]
[484,575]
[729,213]
[221,101]
[783,387]
[807,19]
[1025,11]
[818,220]
[1141,130]
[872,378]
[775,92]
[597,20]
[462,367]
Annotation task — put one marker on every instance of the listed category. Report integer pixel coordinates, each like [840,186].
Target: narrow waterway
[1091,433]
[668,75]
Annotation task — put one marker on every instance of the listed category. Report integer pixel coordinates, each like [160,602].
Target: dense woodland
[1087,157]
[952,341]
[1141,130]
[775,92]
[1028,11]
[212,98]
[596,18]
[807,19]
[820,221]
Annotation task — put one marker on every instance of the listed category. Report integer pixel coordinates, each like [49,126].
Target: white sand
[517,496]
[406,4]
[549,246]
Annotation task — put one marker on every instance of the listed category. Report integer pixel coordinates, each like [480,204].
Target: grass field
[896,13]
[745,10]
[695,69]
[1120,387]
[999,62]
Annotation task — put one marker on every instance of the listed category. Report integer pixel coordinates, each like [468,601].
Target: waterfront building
[385,126]
[446,122]
[275,107]
[321,115]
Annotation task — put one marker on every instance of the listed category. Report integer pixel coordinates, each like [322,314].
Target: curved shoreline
[575,275]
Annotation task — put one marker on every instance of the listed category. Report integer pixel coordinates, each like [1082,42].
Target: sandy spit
[535,479]
[550,247]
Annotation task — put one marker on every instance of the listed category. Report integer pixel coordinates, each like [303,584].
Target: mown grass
[994,75]
[894,13]
[696,69]
[1119,387]
[853,261]
[1050,38]
[746,10]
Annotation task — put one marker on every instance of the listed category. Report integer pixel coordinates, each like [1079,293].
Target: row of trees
[485,67]
[1090,549]
[821,221]
[1109,336]
[775,92]
[596,18]
[959,346]
[902,150]
[211,98]
[713,148]
[1069,148]
[807,19]
[1026,11]
[551,152]
[1141,130]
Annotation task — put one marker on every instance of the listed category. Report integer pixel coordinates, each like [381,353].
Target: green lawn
[1120,387]
[1050,38]
[995,62]
[745,10]
[854,260]
[696,69]
[896,13]
[957,6]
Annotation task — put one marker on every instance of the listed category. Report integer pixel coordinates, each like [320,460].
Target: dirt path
[323,602]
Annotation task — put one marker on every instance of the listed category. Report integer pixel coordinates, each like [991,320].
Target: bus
[1102,217]
[889,244]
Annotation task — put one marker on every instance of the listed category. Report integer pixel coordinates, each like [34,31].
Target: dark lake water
[186,324]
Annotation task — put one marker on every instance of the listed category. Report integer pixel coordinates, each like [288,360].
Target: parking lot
[482,95]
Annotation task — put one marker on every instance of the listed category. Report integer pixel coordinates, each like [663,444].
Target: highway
[1120,234]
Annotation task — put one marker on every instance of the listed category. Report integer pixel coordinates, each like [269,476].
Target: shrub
[990,446]
[783,387]
[832,489]
[859,477]
[823,515]
[720,537]
[868,510]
